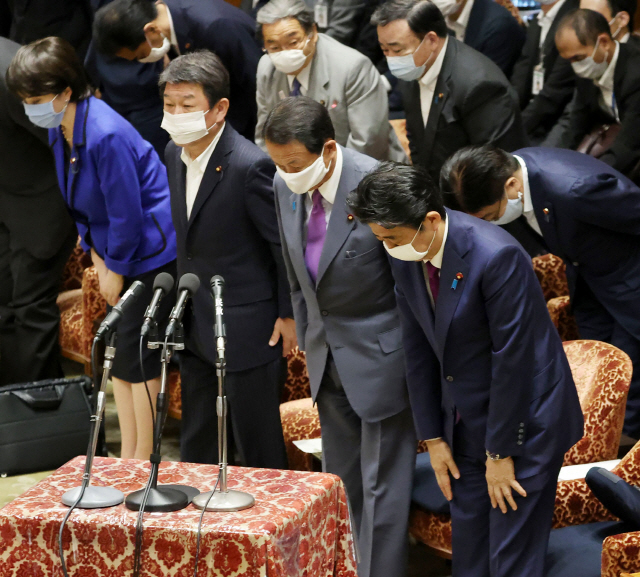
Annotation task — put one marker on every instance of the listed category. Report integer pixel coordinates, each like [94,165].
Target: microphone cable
[204,509]
[85,481]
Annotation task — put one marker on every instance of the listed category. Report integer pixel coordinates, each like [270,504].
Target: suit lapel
[296,235]
[440,95]
[181,187]
[180,26]
[339,225]
[319,76]
[214,173]
[454,268]
[424,302]
[79,139]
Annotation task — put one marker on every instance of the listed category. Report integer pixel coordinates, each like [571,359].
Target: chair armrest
[560,313]
[94,308]
[621,553]
[577,505]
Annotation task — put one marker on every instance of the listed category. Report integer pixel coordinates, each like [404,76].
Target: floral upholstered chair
[602,374]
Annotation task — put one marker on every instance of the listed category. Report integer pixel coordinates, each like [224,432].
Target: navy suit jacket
[116,189]
[226,30]
[491,353]
[233,232]
[589,215]
[494,32]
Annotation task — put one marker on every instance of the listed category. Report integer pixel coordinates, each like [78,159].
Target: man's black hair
[120,24]
[422,16]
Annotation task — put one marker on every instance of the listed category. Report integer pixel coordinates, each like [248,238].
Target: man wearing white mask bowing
[301,62]
[348,325]
[223,212]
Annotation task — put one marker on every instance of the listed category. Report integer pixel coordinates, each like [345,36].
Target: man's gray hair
[275,10]
[199,67]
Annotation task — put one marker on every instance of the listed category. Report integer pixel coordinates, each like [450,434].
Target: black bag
[43,424]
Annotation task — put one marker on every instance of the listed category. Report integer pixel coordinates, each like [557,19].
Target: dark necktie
[434,281]
[295,88]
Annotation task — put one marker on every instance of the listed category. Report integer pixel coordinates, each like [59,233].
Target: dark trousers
[489,543]
[29,315]
[376,462]
[253,398]
[596,323]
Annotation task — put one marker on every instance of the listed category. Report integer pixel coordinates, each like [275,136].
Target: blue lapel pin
[454,284]
[294,205]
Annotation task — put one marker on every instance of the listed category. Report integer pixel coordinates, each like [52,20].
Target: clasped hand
[500,476]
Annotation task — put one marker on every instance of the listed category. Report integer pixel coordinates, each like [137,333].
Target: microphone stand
[162,498]
[96,497]
[223,499]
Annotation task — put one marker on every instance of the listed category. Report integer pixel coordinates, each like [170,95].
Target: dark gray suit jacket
[473,103]
[352,309]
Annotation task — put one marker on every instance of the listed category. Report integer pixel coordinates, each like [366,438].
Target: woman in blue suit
[117,191]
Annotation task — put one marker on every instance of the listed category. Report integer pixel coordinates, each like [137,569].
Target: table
[299,527]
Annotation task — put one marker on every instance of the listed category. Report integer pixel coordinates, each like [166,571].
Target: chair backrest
[551,272]
[72,273]
[602,374]
[629,467]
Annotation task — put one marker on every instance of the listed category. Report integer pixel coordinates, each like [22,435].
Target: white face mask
[407,252]
[589,68]
[307,179]
[187,127]
[514,210]
[448,7]
[289,61]
[157,53]
[619,27]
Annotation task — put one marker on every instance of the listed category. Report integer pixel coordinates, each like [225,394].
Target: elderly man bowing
[348,324]
[301,62]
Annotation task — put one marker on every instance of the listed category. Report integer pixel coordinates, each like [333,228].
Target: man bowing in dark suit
[489,383]
[588,214]
[146,31]
[223,211]
[348,325]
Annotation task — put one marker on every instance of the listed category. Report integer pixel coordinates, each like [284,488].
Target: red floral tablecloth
[299,527]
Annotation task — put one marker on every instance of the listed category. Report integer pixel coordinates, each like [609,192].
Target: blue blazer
[490,353]
[589,215]
[494,32]
[116,189]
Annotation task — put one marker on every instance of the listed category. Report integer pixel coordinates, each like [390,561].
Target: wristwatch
[495,456]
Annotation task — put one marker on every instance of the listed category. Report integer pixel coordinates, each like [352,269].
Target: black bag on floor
[43,424]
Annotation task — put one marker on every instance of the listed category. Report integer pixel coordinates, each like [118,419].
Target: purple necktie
[295,88]
[316,233]
[434,281]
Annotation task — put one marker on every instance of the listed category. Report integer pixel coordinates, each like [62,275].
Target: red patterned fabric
[551,273]
[297,385]
[299,526]
[300,420]
[562,318]
[602,374]
[72,274]
[174,409]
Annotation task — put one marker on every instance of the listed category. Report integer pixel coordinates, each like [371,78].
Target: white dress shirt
[546,20]
[428,82]
[605,84]
[195,170]
[528,211]
[436,261]
[303,79]
[459,26]
[173,39]
[328,191]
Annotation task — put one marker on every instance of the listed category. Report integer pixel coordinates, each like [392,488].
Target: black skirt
[126,363]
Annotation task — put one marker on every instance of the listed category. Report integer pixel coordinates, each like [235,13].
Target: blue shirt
[116,189]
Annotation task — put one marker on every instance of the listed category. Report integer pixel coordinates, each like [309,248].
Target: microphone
[188,285]
[113,318]
[162,285]
[217,288]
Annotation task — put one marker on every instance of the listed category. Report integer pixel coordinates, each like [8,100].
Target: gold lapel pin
[218,168]
[349,217]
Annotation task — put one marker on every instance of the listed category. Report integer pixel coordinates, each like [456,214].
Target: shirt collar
[625,38]
[303,77]
[553,12]
[436,260]
[526,193]
[330,188]
[459,26]
[201,161]
[431,76]
[606,80]
[174,38]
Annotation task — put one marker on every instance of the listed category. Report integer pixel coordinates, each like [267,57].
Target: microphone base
[94,497]
[162,499]
[229,501]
